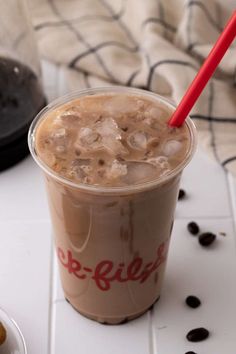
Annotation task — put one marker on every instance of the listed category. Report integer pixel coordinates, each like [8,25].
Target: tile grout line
[51,305]
[231,194]
[152,334]
[218,217]
[51,328]
[6,221]
[59,301]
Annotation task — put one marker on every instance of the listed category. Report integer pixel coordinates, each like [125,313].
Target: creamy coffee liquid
[111,140]
[111,243]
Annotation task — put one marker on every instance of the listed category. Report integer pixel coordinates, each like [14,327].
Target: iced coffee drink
[112,166]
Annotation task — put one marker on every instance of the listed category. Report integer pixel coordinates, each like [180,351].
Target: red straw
[204,74]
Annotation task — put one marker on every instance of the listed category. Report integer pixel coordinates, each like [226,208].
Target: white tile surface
[28,289]
[206,186]
[25,279]
[22,193]
[75,334]
[232,195]
[208,273]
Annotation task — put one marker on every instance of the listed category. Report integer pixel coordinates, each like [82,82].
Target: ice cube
[138,140]
[80,162]
[59,133]
[162,159]
[60,149]
[121,104]
[113,146]
[138,172]
[110,136]
[86,169]
[59,140]
[171,147]
[117,170]
[70,117]
[140,103]
[88,136]
[159,161]
[49,158]
[77,173]
[108,127]
[88,139]
[80,168]
[153,112]
[91,104]
[73,109]
[155,117]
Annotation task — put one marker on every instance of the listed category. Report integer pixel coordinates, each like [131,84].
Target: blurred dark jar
[21,93]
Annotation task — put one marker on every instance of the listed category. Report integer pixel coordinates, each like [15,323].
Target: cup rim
[104,189]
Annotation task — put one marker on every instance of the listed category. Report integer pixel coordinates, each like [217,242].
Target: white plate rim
[13,322]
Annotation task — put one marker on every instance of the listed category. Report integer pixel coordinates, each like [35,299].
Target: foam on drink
[111,140]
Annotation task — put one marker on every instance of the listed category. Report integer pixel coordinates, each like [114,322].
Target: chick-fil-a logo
[106,271]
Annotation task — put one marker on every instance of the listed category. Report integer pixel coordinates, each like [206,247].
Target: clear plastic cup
[112,242]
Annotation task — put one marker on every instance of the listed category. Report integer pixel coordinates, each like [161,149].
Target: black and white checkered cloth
[158,45]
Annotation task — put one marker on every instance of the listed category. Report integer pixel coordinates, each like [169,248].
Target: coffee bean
[197,334]
[182,194]
[190,352]
[193,228]
[193,301]
[206,239]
